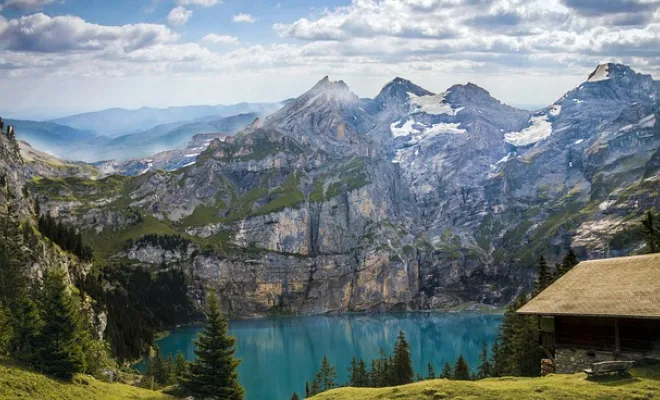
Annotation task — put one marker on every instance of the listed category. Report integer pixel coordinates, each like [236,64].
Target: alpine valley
[412,200]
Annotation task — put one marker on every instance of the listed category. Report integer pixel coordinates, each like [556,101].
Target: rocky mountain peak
[400,89]
[608,71]
[469,94]
[326,85]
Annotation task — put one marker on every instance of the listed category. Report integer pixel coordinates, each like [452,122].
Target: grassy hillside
[19,383]
[643,384]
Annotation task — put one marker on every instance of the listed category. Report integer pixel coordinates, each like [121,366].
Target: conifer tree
[180,365]
[353,373]
[308,393]
[326,376]
[484,370]
[567,263]
[446,372]
[402,364]
[431,373]
[651,229]
[362,374]
[461,369]
[213,374]
[60,341]
[315,388]
[295,396]
[545,277]
[160,368]
[497,360]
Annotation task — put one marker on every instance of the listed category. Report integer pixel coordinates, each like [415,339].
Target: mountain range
[124,135]
[411,200]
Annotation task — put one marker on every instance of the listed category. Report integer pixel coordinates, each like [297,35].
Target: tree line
[139,303]
[65,236]
[42,323]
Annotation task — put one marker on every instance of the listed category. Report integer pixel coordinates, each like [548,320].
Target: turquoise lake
[280,354]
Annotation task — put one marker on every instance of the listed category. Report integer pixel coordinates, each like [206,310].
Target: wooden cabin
[601,310]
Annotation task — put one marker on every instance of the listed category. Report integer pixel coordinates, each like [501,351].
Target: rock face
[412,200]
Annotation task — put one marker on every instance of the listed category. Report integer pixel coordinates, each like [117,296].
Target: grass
[109,242]
[17,382]
[643,384]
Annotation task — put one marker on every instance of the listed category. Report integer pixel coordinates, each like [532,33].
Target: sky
[59,57]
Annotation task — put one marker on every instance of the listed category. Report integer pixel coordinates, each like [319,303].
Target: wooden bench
[609,367]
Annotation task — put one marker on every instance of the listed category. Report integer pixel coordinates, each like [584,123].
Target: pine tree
[446,372]
[567,263]
[160,368]
[545,277]
[213,374]
[315,388]
[308,393]
[180,365]
[461,369]
[402,370]
[651,229]
[60,341]
[295,396]
[326,376]
[353,373]
[484,370]
[362,374]
[431,373]
[498,360]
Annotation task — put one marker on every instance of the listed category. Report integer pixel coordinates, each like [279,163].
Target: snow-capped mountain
[412,200]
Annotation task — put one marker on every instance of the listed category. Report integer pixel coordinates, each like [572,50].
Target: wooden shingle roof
[614,287]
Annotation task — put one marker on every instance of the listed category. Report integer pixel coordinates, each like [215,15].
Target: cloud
[45,34]
[179,16]
[246,18]
[203,3]
[605,7]
[26,4]
[220,39]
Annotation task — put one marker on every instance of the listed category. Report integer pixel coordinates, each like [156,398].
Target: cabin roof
[615,287]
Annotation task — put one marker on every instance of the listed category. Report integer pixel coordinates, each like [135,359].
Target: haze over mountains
[411,200]
[127,134]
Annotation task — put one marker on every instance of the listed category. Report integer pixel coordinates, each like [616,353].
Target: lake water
[280,354]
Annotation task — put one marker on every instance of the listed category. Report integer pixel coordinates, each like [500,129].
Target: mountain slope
[644,384]
[19,383]
[412,200]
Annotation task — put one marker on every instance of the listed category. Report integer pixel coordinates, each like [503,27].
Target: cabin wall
[582,341]
[570,361]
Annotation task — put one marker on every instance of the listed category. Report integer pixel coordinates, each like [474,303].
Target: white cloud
[42,33]
[26,4]
[203,3]
[220,39]
[242,17]
[179,16]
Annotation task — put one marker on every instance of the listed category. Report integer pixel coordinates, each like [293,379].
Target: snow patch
[189,164]
[600,74]
[437,129]
[579,141]
[433,104]
[555,110]
[505,158]
[405,130]
[539,129]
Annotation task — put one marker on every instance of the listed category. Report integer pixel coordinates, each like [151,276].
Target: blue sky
[65,56]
